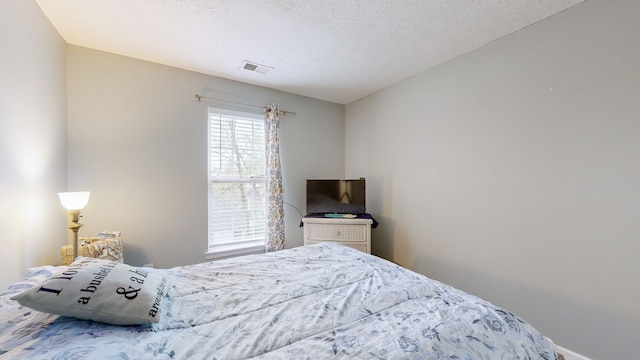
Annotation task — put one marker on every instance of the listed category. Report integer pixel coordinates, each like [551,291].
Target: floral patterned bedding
[325,301]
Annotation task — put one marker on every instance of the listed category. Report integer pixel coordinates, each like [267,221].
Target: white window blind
[237,196]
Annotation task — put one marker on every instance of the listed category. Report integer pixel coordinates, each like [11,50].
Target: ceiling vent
[254,67]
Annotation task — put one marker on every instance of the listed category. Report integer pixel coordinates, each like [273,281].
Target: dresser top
[345,221]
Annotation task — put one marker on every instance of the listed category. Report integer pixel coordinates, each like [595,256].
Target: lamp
[74,202]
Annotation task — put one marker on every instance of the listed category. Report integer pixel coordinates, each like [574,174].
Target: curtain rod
[200,97]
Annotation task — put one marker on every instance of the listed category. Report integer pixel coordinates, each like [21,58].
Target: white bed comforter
[324,301]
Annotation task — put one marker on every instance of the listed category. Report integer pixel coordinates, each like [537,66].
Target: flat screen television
[344,196]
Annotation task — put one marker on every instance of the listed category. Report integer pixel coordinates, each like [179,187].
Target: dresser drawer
[362,246]
[341,233]
[354,233]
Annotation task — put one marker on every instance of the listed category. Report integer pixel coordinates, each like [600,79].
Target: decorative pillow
[99,290]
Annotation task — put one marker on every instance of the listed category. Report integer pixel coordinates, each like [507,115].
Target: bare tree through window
[237,197]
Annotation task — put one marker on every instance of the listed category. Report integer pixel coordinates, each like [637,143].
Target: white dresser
[355,233]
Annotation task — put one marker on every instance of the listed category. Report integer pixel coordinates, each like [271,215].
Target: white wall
[32,140]
[513,172]
[137,140]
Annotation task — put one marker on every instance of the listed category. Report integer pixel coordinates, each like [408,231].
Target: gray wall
[32,140]
[513,172]
[137,139]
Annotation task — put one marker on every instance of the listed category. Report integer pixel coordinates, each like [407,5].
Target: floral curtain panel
[275,202]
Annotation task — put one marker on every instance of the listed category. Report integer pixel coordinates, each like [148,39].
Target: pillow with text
[100,290]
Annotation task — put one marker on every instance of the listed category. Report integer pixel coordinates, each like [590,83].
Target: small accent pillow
[100,290]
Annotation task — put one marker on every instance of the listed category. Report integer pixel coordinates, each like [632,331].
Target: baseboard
[570,355]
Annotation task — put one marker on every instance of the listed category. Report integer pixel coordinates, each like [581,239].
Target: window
[237,185]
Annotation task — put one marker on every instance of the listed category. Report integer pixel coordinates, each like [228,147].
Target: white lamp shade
[74,200]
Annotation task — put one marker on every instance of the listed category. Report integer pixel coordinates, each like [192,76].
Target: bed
[324,301]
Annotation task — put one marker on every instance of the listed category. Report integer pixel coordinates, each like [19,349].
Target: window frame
[244,247]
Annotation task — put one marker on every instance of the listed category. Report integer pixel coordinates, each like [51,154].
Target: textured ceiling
[334,50]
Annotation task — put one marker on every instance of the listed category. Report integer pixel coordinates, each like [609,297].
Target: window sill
[233,250]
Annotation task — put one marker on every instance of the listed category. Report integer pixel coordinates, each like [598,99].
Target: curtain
[275,202]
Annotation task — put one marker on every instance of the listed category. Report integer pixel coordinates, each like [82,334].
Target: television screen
[336,197]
